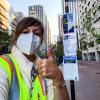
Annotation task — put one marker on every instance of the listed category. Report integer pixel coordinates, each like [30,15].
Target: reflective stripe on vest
[6,65]
[38,90]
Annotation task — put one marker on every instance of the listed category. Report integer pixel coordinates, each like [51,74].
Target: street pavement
[88,86]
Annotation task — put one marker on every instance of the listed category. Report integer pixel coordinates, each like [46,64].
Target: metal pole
[72,86]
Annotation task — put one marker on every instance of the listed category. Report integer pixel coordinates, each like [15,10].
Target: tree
[97,38]
[59,49]
[5,42]
[88,21]
[90,35]
[93,36]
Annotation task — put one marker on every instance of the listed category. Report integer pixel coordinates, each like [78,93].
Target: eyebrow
[37,30]
[26,29]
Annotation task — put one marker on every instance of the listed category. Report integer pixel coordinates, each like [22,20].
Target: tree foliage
[88,39]
[88,21]
[59,49]
[5,41]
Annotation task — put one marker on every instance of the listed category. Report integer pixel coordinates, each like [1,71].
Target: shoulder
[5,67]
[4,86]
[2,73]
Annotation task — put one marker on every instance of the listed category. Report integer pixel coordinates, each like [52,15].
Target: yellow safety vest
[38,91]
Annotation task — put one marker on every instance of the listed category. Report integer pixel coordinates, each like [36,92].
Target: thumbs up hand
[49,69]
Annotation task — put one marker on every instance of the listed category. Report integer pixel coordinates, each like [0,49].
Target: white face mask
[28,43]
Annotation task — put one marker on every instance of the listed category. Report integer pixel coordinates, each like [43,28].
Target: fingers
[46,72]
[43,72]
[42,68]
[50,54]
[46,69]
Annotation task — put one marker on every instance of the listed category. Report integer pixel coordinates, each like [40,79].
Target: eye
[25,32]
[37,33]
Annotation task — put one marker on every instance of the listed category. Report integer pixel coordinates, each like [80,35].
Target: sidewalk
[88,86]
[97,63]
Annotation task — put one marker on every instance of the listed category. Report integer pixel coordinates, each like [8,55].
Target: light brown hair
[26,22]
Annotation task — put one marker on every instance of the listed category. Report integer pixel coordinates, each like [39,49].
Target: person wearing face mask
[23,75]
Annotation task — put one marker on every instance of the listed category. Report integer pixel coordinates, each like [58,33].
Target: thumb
[50,53]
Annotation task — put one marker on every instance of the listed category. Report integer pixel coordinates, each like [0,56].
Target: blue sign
[68,23]
[70,0]
[70,59]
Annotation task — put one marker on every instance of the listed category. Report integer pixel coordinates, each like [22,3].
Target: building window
[92,56]
[66,9]
[94,13]
[93,4]
[89,10]
[97,20]
[99,8]
[83,19]
[84,1]
[88,3]
[83,13]
[86,9]
[81,16]
[66,0]
[91,44]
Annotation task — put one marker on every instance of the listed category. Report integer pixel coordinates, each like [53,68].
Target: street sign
[70,66]
[68,25]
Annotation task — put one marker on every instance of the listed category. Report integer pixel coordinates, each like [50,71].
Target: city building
[14,18]
[20,15]
[4,15]
[37,11]
[60,26]
[65,8]
[71,6]
[48,35]
[89,16]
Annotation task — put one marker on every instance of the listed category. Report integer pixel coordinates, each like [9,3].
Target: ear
[13,38]
[42,40]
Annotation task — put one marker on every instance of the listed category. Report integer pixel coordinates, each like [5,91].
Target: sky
[52,9]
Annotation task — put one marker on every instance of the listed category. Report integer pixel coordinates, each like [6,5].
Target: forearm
[61,93]
[60,89]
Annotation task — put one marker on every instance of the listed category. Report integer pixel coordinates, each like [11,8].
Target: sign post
[70,66]
[72,86]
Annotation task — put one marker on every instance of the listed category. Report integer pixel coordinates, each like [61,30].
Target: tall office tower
[37,11]
[48,35]
[4,16]
[60,27]
[14,18]
[71,6]
[89,9]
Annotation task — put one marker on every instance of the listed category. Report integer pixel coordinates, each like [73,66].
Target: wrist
[59,83]
[59,80]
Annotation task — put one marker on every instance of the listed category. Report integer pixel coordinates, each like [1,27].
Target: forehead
[34,28]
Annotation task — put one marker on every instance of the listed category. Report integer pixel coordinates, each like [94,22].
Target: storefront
[92,56]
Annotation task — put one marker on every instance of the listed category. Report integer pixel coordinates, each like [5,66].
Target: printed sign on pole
[70,66]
